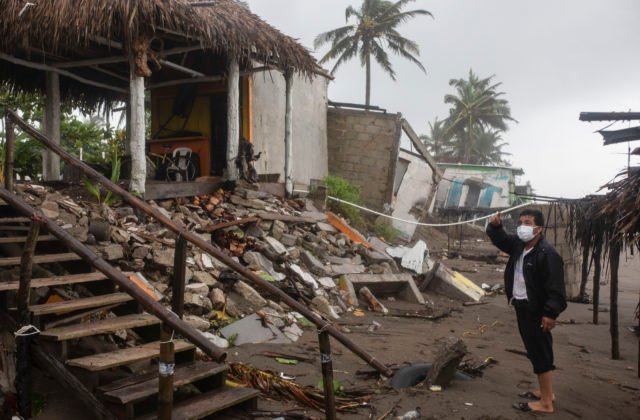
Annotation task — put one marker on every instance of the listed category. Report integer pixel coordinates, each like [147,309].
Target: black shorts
[539,344]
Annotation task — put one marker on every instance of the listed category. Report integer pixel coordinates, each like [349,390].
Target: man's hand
[548,324]
[496,220]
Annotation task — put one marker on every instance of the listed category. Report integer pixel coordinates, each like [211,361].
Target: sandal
[528,394]
[522,406]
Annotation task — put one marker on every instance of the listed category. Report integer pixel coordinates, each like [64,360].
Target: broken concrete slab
[313,264]
[288,239]
[112,252]
[293,332]
[410,258]
[399,286]
[445,365]
[206,278]
[322,304]
[163,257]
[441,279]
[197,322]
[305,277]
[326,227]
[342,269]
[276,245]
[327,283]
[258,262]
[250,330]
[249,294]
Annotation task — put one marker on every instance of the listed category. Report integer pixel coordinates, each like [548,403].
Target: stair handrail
[196,240]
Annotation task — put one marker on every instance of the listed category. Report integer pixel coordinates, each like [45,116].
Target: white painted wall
[309,126]
[413,192]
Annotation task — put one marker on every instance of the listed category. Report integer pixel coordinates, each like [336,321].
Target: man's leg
[546,393]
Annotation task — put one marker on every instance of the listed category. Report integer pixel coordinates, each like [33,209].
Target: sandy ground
[588,384]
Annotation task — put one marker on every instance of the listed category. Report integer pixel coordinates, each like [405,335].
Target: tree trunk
[233,118]
[585,270]
[51,161]
[614,263]
[597,255]
[288,134]
[137,136]
[367,100]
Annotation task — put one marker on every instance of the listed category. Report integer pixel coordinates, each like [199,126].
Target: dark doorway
[218,133]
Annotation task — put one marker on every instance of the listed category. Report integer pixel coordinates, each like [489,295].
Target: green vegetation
[385,230]
[374,32]
[341,188]
[94,188]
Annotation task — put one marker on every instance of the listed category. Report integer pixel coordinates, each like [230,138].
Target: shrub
[341,188]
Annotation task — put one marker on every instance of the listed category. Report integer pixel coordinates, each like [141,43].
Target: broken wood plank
[56,281]
[210,403]
[78,304]
[284,217]
[218,226]
[186,374]
[81,315]
[20,239]
[287,356]
[41,259]
[103,361]
[99,327]
[8,220]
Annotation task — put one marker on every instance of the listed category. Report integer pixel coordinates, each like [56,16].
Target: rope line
[413,222]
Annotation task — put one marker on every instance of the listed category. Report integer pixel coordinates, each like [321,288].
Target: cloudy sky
[554,59]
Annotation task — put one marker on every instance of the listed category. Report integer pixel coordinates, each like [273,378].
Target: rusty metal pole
[327,375]
[165,374]
[23,341]
[9,151]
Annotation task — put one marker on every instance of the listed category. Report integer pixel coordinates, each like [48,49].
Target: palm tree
[373,32]
[477,102]
[487,147]
[438,144]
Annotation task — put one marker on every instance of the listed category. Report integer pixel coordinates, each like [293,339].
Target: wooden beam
[44,67]
[182,69]
[137,135]
[9,152]
[110,73]
[288,133]
[91,62]
[421,147]
[327,375]
[233,118]
[52,119]
[185,82]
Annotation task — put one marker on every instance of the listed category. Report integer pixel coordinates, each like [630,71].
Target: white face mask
[525,233]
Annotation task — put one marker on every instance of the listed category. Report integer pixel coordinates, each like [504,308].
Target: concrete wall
[412,195]
[309,126]
[363,148]
[498,177]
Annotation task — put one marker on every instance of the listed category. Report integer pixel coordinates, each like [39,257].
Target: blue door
[455,192]
[487,196]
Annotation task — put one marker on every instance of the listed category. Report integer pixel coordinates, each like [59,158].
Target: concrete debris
[372,301]
[305,277]
[206,278]
[251,330]
[163,256]
[339,270]
[411,258]
[276,245]
[112,252]
[313,264]
[293,332]
[197,322]
[216,340]
[322,304]
[447,359]
[249,294]
[443,280]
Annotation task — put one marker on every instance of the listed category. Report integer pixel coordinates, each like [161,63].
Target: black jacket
[542,268]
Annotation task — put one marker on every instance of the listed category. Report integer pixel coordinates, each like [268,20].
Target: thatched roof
[67,30]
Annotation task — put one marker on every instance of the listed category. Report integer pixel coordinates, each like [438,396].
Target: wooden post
[638,334]
[614,264]
[327,375]
[137,135]
[597,268]
[51,161]
[288,133]
[233,117]
[179,276]
[585,270]
[23,342]
[9,151]
[165,374]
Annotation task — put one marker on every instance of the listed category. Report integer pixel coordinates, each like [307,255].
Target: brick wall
[363,148]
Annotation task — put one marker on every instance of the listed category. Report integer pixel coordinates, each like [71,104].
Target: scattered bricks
[218,298]
[278,229]
[322,304]
[197,303]
[447,359]
[276,245]
[141,251]
[288,239]
[206,278]
[163,257]
[249,294]
[112,252]
[197,322]
[313,264]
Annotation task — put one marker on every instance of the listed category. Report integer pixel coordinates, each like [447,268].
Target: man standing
[534,284]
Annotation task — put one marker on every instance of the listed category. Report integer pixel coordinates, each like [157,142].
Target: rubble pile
[286,242]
